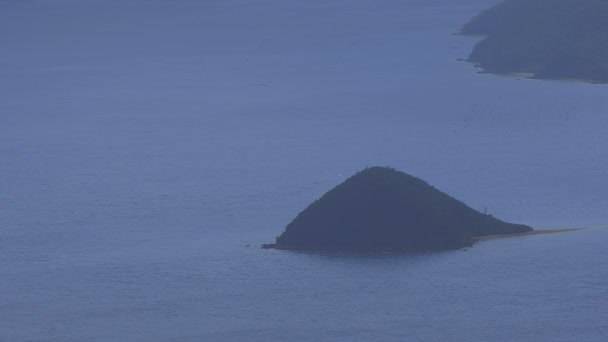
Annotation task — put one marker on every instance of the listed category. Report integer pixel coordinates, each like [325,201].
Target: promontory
[557,39]
[380,209]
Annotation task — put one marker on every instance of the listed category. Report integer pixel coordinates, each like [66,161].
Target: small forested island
[380,209]
[557,39]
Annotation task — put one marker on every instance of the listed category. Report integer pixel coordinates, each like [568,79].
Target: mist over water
[145,143]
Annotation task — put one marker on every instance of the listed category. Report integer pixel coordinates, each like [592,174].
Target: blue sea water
[145,144]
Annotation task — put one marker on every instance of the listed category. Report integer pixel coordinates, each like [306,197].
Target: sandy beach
[534,232]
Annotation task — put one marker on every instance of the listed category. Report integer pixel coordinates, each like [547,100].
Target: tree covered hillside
[383,210]
[552,39]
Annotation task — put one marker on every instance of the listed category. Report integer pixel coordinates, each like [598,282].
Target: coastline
[534,232]
[527,75]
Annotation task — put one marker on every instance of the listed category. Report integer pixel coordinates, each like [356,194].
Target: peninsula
[380,209]
[558,39]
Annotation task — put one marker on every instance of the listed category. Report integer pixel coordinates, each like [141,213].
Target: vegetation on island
[383,210]
[557,39]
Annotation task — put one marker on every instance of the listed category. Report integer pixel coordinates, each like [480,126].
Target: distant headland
[380,209]
[558,39]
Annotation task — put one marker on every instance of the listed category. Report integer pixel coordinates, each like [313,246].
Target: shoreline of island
[527,75]
[474,240]
[534,232]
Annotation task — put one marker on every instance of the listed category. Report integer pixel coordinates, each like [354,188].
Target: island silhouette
[380,209]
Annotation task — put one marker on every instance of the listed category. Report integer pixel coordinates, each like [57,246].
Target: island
[380,209]
[558,39]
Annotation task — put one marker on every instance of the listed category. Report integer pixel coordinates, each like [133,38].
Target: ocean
[149,147]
